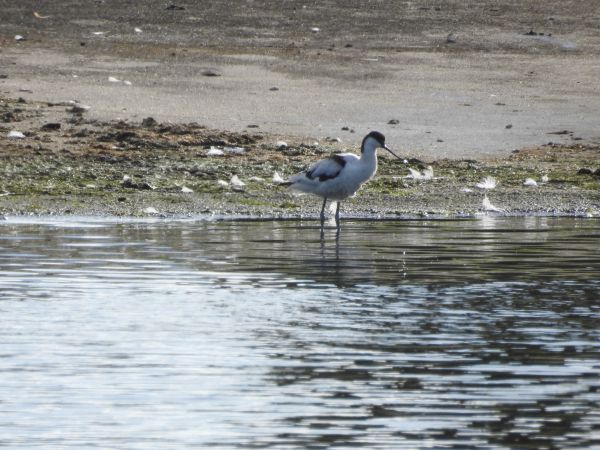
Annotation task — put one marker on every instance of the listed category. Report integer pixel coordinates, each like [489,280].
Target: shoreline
[67,164]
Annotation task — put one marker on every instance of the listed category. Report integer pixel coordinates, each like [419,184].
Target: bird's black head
[376,135]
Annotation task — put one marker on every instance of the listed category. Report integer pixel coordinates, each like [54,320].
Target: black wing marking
[327,169]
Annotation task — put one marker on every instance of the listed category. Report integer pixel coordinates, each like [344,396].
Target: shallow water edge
[153,333]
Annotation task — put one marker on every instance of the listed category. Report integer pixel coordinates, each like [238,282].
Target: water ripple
[410,334]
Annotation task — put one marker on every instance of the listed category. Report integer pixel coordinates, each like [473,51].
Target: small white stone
[114,80]
[215,152]
[281,145]
[15,135]
[529,182]
[186,190]
[151,210]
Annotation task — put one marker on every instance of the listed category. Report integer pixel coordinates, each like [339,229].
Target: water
[402,334]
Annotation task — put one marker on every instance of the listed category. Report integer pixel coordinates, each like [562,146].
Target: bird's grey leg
[323,212]
[337,214]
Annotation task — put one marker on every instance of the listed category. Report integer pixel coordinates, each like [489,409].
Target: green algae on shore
[80,166]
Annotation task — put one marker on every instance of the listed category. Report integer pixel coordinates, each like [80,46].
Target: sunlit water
[401,334]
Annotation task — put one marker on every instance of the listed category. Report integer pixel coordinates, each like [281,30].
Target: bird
[341,175]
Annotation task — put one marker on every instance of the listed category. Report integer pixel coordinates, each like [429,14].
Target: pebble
[215,152]
[15,135]
[149,122]
[51,126]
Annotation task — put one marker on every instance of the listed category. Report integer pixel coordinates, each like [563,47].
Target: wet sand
[507,76]
[441,80]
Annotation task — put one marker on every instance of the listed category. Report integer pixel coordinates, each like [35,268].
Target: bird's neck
[369,158]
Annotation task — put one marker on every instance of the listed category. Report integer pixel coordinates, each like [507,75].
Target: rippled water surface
[402,334]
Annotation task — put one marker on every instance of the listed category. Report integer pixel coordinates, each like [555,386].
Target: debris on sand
[15,135]
[173,7]
[529,182]
[234,150]
[149,122]
[426,174]
[236,183]
[37,15]
[585,171]
[77,108]
[488,182]
[487,205]
[213,151]
[127,182]
[50,126]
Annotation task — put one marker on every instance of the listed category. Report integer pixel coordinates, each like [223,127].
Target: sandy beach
[474,90]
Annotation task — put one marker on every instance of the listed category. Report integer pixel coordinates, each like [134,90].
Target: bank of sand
[442,80]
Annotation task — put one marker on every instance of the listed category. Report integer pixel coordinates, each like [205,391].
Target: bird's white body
[341,175]
[336,178]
